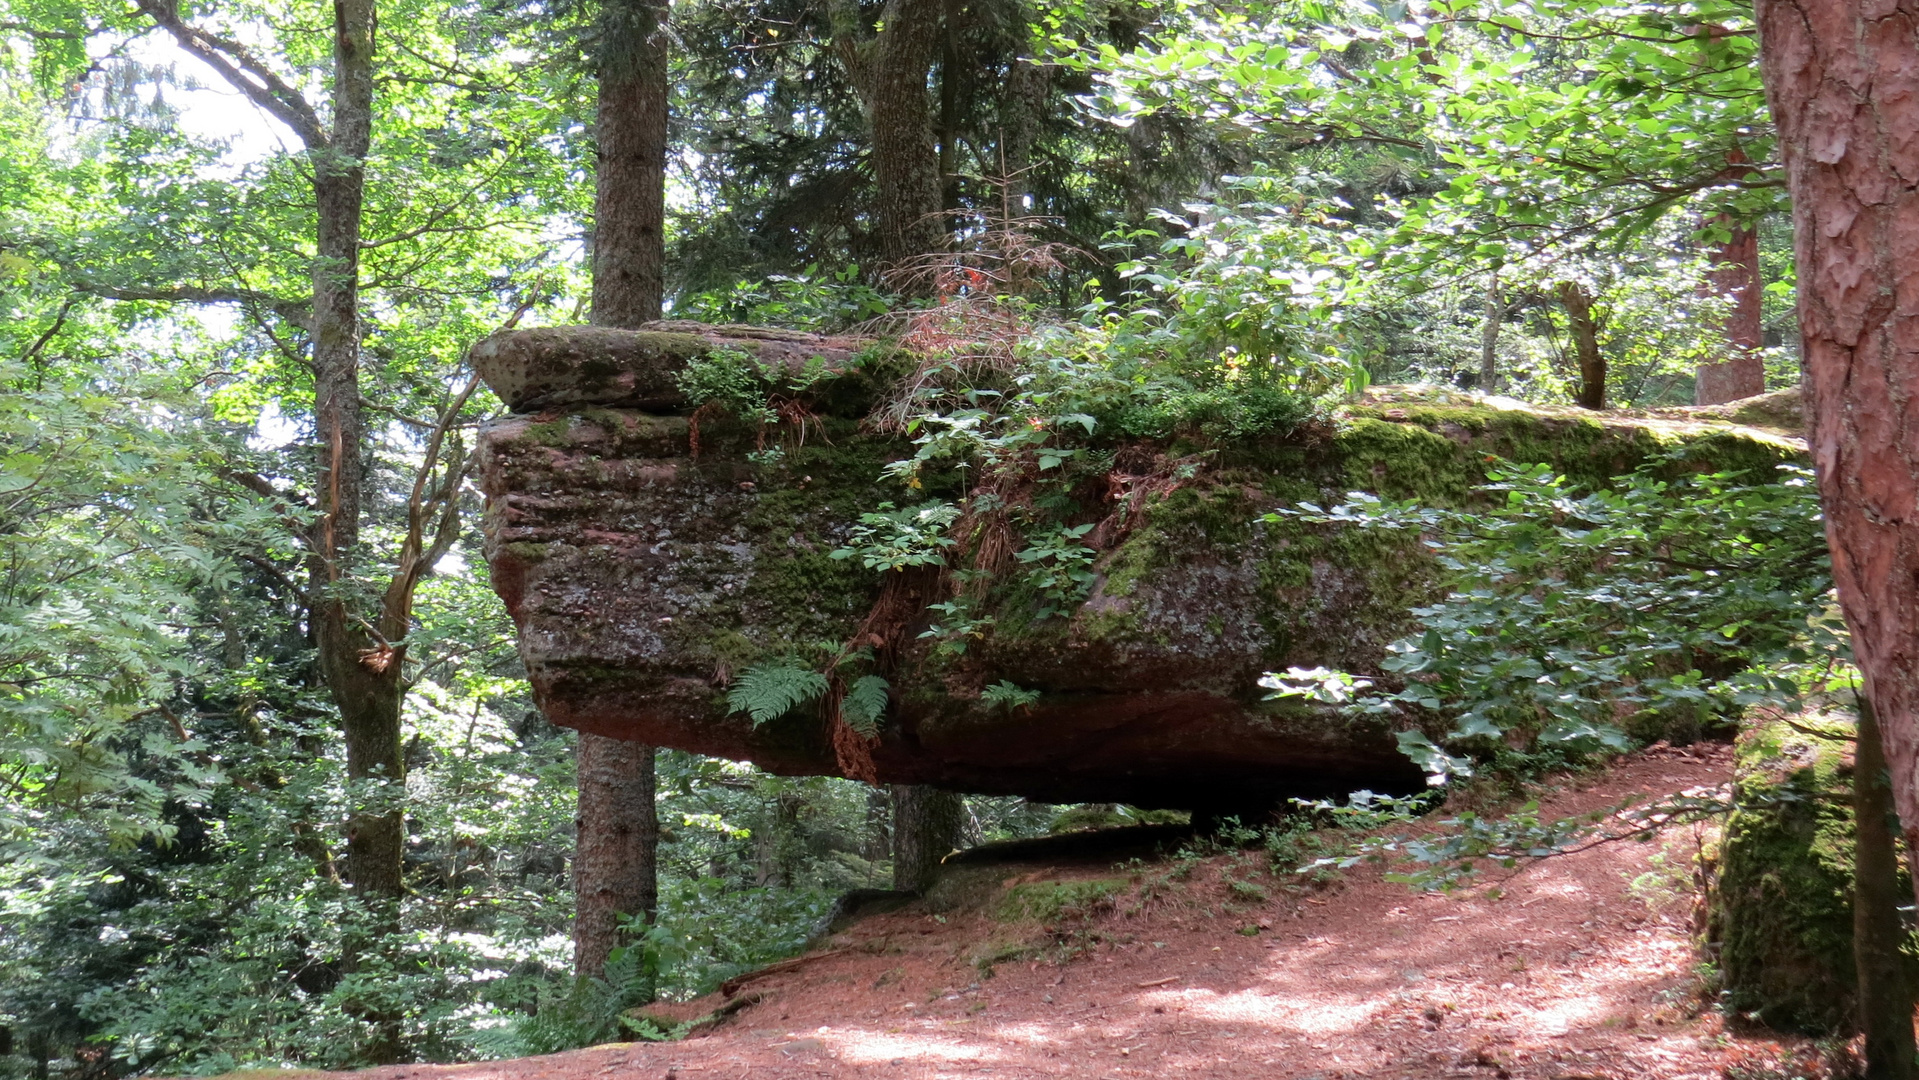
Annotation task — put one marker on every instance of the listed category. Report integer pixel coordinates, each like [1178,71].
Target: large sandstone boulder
[645,579]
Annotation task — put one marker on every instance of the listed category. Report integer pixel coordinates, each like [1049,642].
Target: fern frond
[769,691]
[1007,695]
[865,705]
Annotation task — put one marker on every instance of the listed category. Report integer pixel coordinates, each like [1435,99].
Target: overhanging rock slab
[644,579]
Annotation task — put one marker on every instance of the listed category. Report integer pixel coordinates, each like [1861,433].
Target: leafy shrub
[811,299]
[891,538]
[730,380]
[1663,604]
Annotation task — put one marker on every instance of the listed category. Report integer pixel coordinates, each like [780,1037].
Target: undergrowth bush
[1577,619]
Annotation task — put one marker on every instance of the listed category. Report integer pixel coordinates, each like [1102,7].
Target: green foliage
[1663,604]
[769,691]
[111,520]
[1059,568]
[731,380]
[959,625]
[864,706]
[1254,289]
[891,538]
[1006,695]
[589,1011]
[809,299]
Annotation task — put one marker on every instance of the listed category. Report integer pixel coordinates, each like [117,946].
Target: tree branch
[39,34]
[296,312]
[32,356]
[259,83]
[416,554]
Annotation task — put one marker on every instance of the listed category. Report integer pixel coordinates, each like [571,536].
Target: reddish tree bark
[1843,80]
[1735,276]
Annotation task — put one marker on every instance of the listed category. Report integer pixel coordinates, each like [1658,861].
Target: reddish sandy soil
[1558,972]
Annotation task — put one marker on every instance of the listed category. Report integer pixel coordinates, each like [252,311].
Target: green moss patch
[1056,901]
[1780,916]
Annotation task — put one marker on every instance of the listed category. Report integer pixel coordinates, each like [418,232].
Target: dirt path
[1561,973]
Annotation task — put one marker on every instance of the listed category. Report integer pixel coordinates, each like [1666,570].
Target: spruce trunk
[926,827]
[629,200]
[617,829]
[618,833]
[906,166]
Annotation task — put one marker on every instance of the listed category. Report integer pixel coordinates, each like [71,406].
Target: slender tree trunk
[1735,275]
[906,166]
[617,829]
[926,826]
[1489,338]
[1843,85]
[1585,333]
[1022,106]
[629,202]
[618,832]
[876,839]
[361,669]
[1885,991]
[952,83]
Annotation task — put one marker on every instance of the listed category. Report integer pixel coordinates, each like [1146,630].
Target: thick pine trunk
[1844,88]
[926,827]
[1585,334]
[1843,82]
[629,203]
[618,833]
[1885,994]
[906,166]
[615,868]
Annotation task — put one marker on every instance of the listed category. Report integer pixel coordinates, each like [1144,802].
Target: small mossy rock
[644,578]
[553,367]
[1780,904]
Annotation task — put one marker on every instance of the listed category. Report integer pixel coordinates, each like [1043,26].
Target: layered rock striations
[645,579]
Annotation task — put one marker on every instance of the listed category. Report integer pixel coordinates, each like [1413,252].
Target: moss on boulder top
[554,367]
[644,579]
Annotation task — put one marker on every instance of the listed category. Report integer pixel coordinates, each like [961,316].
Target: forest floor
[1560,971]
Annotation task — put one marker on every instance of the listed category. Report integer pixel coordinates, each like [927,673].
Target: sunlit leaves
[1574,613]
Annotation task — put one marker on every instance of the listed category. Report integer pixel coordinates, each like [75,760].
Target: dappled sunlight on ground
[1555,972]
[862,1046]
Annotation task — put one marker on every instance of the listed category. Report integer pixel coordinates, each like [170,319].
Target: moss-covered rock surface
[645,578]
[1780,905]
